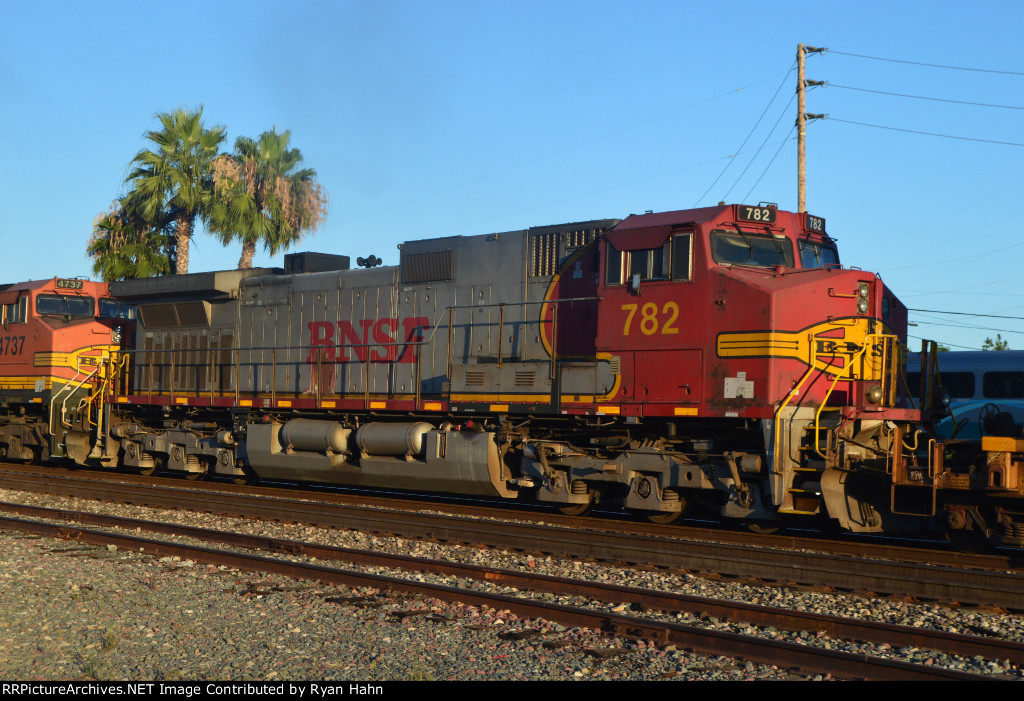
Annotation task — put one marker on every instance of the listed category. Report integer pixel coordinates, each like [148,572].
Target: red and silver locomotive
[718,356]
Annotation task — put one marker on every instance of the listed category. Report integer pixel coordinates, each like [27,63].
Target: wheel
[665,518]
[150,470]
[669,518]
[249,477]
[580,509]
[765,527]
[968,540]
[577,509]
[203,472]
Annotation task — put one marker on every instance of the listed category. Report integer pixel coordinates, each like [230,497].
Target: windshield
[113,309]
[61,305]
[817,255]
[734,248]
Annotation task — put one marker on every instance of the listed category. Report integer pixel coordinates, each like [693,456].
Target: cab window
[114,309]
[817,255]
[737,248]
[669,261]
[65,305]
[16,312]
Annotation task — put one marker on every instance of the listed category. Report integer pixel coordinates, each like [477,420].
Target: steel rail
[858,574]
[707,642]
[834,626]
[883,547]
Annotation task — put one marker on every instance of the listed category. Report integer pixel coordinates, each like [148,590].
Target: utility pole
[801,126]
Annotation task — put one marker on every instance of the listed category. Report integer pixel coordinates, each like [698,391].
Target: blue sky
[455,117]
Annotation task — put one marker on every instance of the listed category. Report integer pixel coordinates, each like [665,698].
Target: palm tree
[173,180]
[261,196]
[124,245]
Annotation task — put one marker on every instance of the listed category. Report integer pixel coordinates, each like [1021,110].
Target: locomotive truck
[719,357]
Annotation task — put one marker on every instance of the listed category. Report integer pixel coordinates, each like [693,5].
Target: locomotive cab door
[651,316]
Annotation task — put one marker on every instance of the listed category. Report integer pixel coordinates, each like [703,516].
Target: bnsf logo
[380,340]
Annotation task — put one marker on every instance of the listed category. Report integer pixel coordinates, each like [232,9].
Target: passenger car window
[960,384]
[1003,385]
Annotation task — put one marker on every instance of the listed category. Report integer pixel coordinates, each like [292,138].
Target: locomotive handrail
[525,302]
[778,414]
[64,404]
[169,358]
[848,368]
[53,402]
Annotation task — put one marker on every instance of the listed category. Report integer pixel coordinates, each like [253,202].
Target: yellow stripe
[88,355]
[26,382]
[483,398]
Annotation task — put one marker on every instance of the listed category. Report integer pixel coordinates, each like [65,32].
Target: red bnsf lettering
[377,339]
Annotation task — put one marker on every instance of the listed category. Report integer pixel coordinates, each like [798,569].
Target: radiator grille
[432,266]
[525,378]
[543,254]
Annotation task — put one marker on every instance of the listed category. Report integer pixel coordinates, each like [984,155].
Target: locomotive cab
[729,317]
[53,349]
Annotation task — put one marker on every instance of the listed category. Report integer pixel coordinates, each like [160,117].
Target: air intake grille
[580,237]
[543,254]
[432,266]
[525,378]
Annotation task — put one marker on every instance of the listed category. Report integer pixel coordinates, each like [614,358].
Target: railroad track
[600,541]
[806,659]
[936,552]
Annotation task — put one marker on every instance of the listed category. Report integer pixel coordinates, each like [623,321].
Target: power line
[761,147]
[558,152]
[956,325]
[925,133]
[922,97]
[987,316]
[751,133]
[930,65]
[950,345]
[777,152]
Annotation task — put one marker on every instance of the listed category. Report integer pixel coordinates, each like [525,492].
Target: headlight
[115,335]
[862,305]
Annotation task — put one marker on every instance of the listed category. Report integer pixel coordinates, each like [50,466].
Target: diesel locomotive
[719,357]
[57,338]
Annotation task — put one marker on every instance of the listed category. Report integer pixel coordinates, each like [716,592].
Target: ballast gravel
[79,612]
